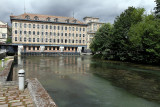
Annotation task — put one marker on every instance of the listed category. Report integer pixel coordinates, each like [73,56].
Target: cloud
[106,10]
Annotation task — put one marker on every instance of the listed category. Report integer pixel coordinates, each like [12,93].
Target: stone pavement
[10,96]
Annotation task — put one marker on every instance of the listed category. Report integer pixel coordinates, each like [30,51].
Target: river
[80,81]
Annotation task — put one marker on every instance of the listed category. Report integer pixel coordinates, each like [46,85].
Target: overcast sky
[106,10]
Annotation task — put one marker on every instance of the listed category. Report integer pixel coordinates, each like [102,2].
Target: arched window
[49,19]
[27,17]
[36,18]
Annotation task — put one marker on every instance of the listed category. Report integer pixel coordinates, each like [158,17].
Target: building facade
[93,25]
[48,34]
[4,32]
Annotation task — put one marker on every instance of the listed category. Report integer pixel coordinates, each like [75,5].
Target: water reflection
[76,81]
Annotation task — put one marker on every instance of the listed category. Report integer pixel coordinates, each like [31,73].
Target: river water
[80,81]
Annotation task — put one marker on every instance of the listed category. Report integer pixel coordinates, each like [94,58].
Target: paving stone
[17,104]
[4,105]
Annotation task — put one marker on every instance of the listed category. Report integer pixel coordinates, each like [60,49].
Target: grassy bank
[5,60]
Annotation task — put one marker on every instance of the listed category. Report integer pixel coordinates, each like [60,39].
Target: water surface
[74,81]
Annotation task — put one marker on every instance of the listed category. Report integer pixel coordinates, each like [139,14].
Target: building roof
[45,18]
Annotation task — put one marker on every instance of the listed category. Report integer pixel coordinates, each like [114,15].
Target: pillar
[79,49]
[20,48]
[42,48]
[61,48]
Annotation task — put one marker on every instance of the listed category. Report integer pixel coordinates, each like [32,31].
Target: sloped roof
[44,18]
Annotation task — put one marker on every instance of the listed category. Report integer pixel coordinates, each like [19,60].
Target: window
[57,34]
[72,41]
[50,33]
[83,29]
[76,35]
[29,25]
[25,32]
[16,25]
[24,25]
[37,39]
[54,34]
[33,25]
[54,40]
[33,48]
[79,35]
[72,48]
[20,25]
[61,34]
[24,39]
[57,48]
[65,40]
[49,48]
[73,28]
[61,40]
[69,28]
[53,48]
[42,33]
[29,39]
[27,17]
[42,27]
[37,48]
[65,34]
[33,32]
[38,33]
[29,48]
[79,41]
[46,33]
[41,39]
[46,26]
[15,31]
[15,38]
[45,48]
[29,32]
[46,40]
[58,40]
[69,41]
[65,28]
[50,40]
[38,26]
[75,21]
[58,28]
[73,34]
[76,28]
[49,19]
[80,29]
[56,19]
[50,27]
[33,39]
[62,28]
[54,27]
[68,48]
[3,35]
[76,41]
[20,32]
[69,34]
[36,18]
[83,41]
[83,35]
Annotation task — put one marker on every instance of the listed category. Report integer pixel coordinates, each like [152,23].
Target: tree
[102,38]
[157,8]
[122,24]
[145,38]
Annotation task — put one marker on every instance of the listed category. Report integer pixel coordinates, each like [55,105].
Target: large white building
[4,32]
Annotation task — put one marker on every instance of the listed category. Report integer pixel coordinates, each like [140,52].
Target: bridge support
[20,48]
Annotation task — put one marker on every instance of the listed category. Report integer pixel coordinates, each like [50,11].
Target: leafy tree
[157,8]
[122,24]
[102,38]
[145,38]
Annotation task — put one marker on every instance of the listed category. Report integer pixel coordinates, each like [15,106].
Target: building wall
[25,32]
[4,32]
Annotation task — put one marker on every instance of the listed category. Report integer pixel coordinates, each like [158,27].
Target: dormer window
[27,17]
[36,18]
[75,21]
[49,19]
[67,20]
[56,19]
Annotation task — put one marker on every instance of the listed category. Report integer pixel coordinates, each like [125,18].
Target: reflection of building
[4,32]
[44,33]
[93,26]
